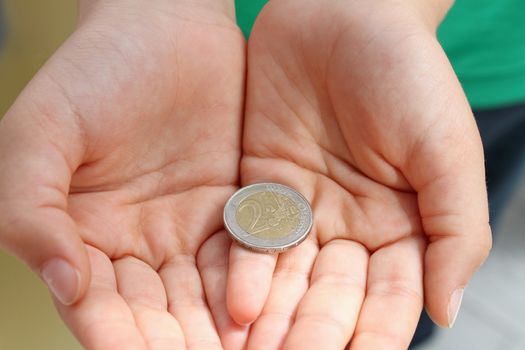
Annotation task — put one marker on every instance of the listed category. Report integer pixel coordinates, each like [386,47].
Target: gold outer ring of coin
[268,217]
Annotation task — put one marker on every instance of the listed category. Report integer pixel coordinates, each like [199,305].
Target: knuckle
[398,288]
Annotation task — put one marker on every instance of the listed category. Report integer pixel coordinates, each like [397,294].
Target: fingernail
[453,306]
[62,280]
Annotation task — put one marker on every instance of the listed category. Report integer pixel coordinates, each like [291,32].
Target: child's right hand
[115,163]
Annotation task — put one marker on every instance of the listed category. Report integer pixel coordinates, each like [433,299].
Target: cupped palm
[360,111]
[130,137]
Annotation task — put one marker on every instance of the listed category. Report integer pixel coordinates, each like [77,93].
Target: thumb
[46,239]
[447,172]
[34,183]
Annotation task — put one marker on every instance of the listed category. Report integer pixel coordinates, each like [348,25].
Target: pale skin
[119,155]
[355,105]
[110,160]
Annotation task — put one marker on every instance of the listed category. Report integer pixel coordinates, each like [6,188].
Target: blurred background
[30,30]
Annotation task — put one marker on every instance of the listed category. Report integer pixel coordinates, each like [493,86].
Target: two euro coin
[268,217]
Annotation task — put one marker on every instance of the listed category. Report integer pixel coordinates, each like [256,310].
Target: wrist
[213,7]
[432,11]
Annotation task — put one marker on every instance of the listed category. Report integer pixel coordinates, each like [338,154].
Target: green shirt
[484,40]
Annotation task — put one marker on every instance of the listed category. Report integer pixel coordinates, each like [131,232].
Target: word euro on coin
[268,217]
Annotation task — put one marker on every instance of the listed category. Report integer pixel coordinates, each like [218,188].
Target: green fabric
[246,12]
[484,40]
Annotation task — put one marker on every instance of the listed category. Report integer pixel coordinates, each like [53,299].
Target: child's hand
[355,105]
[115,163]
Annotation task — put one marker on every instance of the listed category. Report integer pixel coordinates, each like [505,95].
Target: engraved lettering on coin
[268,215]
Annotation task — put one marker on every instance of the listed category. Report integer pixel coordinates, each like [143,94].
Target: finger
[327,315]
[448,174]
[102,319]
[212,262]
[290,282]
[394,297]
[187,303]
[34,183]
[142,289]
[249,280]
